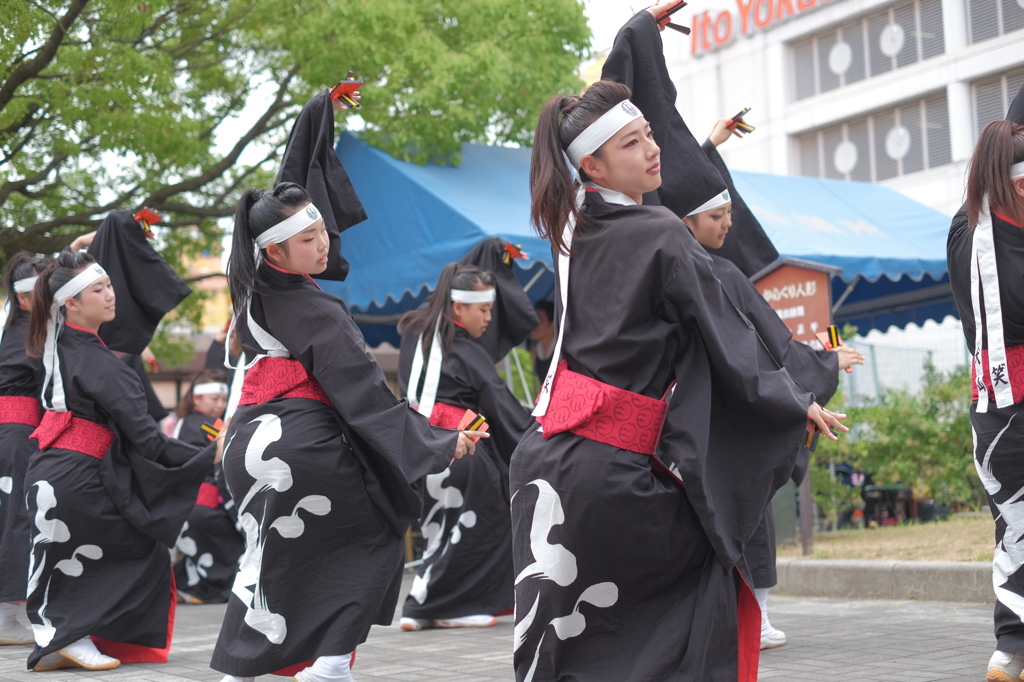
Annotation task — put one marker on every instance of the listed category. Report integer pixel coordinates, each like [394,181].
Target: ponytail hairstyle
[258,211]
[56,274]
[439,305]
[552,187]
[1000,145]
[21,266]
[204,376]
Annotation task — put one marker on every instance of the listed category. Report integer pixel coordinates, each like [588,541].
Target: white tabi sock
[328,669]
[85,653]
[762,600]
[11,631]
[232,678]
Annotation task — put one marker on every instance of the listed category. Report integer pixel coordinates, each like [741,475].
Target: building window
[886,144]
[992,97]
[992,18]
[885,41]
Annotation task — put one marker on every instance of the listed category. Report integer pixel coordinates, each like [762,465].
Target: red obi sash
[446,416]
[1014,374]
[272,378]
[209,496]
[603,413]
[65,431]
[16,409]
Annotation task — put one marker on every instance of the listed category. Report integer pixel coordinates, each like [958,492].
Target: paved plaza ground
[829,639]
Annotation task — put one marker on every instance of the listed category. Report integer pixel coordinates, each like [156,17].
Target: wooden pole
[806,500]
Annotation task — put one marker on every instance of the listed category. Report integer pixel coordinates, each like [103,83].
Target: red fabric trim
[16,409]
[446,416]
[209,496]
[292,670]
[292,272]
[748,630]
[1007,219]
[133,653]
[65,431]
[603,413]
[1014,370]
[272,378]
[87,331]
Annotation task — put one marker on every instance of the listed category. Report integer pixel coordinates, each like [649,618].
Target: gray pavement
[829,639]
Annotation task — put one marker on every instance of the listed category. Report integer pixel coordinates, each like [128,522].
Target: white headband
[78,283]
[210,389]
[601,130]
[466,296]
[1017,170]
[51,358]
[25,285]
[712,203]
[289,227]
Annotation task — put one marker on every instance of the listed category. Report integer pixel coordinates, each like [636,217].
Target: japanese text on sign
[791,291]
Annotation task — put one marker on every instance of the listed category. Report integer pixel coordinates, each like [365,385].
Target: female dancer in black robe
[815,370]
[105,490]
[323,462]
[20,412]
[985,251]
[466,575]
[210,544]
[621,573]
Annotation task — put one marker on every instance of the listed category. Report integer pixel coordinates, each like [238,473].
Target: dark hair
[1000,145]
[552,188]
[21,265]
[258,210]
[204,376]
[546,307]
[56,274]
[439,305]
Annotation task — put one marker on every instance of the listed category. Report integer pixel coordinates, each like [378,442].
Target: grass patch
[964,537]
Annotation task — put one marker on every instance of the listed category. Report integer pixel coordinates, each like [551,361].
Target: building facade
[865,90]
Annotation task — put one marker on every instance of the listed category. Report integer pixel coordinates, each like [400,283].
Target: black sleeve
[394,437]
[508,419]
[734,462]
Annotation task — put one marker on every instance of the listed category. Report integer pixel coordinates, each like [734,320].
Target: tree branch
[186,209]
[217,170]
[19,185]
[46,54]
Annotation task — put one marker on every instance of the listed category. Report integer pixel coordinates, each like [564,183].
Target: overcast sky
[606,16]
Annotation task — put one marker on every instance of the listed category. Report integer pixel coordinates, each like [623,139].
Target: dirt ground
[964,537]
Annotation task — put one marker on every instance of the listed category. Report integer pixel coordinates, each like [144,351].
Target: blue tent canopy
[891,249]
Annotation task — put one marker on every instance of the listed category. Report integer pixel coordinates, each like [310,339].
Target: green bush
[920,440]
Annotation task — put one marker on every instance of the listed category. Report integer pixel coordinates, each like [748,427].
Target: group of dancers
[625,522]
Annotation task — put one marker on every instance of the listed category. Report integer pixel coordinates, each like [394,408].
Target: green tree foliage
[179,104]
[920,440]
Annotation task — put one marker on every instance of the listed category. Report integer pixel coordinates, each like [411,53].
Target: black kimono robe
[467,564]
[20,378]
[637,60]
[147,287]
[999,432]
[324,492]
[621,573]
[817,371]
[102,526]
[209,543]
[310,160]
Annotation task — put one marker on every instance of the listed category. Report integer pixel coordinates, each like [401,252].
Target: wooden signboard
[801,293]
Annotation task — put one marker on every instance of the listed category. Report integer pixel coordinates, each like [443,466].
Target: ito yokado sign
[711,29]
